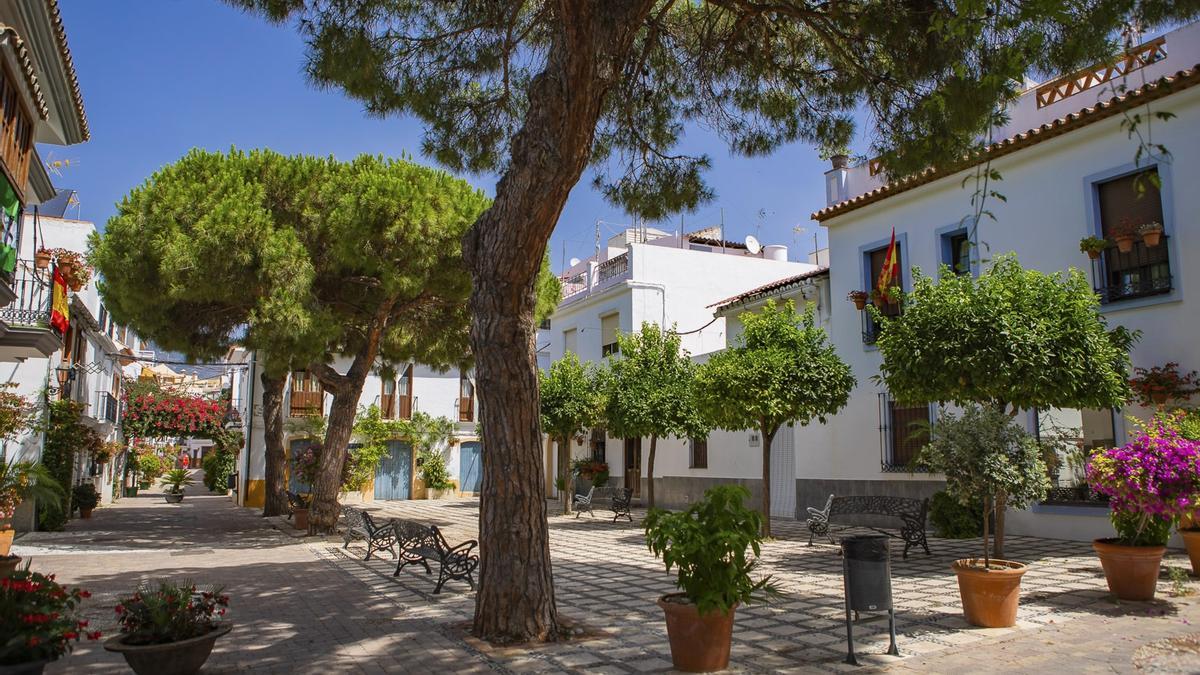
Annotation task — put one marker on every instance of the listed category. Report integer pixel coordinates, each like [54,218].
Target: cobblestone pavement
[307,605]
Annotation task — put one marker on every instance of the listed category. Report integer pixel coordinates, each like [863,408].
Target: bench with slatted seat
[421,543]
[910,512]
[619,501]
[362,525]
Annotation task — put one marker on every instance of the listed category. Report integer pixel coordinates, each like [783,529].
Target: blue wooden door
[470,467]
[393,476]
[297,447]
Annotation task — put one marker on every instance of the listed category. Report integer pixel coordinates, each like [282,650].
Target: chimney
[835,180]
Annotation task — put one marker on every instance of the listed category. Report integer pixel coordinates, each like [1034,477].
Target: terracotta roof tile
[27,68]
[1151,91]
[65,50]
[770,288]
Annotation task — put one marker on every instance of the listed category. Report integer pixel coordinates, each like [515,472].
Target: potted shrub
[436,476]
[707,545]
[1151,233]
[859,298]
[1159,385]
[1124,234]
[73,268]
[38,620]
[20,481]
[1151,481]
[1092,246]
[169,627]
[85,498]
[42,258]
[985,454]
[174,482]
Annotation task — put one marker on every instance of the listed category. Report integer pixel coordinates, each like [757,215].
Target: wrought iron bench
[910,512]
[295,501]
[420,544]
[582,501]
[619,501]
[361,525]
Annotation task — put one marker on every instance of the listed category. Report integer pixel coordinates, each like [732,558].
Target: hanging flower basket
[41,259]
[859,298]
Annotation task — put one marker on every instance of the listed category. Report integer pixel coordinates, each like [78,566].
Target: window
[571,341]
[466,399]
[699,448]
[597,445]
[873,260]
[307,396]
[404,394]
[545,324]
[903,431]
[956,251]
[387,399]
[1131,201]
[1069,438]
[608,334]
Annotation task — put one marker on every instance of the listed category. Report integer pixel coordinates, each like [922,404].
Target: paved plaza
[307,605]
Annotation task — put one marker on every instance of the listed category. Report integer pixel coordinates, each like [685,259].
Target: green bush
[434,472]
[952,520]
[84,496]
[217,468]
[150,466]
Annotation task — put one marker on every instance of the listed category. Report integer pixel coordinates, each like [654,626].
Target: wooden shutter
[608,333]
[909,431]
[466,399]
[404,393]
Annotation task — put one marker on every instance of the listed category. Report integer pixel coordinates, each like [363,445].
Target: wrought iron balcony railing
[32,305]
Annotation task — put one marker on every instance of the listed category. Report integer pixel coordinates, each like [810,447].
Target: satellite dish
[573,262]
[752,244]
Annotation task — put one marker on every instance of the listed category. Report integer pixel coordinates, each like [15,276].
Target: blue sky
[160,77]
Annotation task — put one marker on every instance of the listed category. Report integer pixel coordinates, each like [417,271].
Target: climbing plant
[161,415]
[423,431]
[66,435]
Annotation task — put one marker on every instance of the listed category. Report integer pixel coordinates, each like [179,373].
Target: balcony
[1143,271]
[306,404]
[597,277]
[105,407]
[28,332]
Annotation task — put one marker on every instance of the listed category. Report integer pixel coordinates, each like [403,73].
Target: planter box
[430,493]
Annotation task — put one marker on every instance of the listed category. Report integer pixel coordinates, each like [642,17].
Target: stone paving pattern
[306,605]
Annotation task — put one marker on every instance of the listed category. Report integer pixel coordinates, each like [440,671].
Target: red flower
[94,635]
[71,635]
[33,641]
[84,594]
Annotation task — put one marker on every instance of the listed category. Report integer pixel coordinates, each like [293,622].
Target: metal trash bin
[867,580]
[231,481]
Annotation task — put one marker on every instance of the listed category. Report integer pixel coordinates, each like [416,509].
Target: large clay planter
[6,539]
[185,657]
[8,564]
[85,513]
[1131,571]
[699,644]
[300,519]
[989,596]
[27,668]
[1191,540]
[430,493]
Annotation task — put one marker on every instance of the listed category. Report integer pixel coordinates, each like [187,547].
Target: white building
[1068,170]
[648,275]
[414,388]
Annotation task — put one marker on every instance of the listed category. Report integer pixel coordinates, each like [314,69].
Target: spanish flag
[60,308]
[890,271]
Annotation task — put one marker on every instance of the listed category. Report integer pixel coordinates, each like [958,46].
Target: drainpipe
[249,430]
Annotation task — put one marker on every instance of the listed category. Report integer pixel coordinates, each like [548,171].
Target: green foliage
[781,370]
[16,413]
[150,466]
[167,611]
[953,520]
[707,545]
[217,468]
[985,454]
[1141,529]
[650,391]
[760,79]
[572,397]
[22,481]
[434,472]
[176,480]
[424,432]
[1187,423]
[1011,337]
[65,435]
[549,292]
[84,496]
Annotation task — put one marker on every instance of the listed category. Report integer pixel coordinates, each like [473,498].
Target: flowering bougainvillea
[37,618]
[306,463]
[171,415]
[1151,481]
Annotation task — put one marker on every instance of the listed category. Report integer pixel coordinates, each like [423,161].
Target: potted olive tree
[707,546]
[983,453]
[1151,481]
[169,627]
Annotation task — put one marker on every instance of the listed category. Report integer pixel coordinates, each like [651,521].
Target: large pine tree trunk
[323,514]
[650,472]
[272,403]
[589,47]
[766,479]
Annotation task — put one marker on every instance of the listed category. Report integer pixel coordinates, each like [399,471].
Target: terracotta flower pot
[174,658]
[1124,244]
[699,644]
[8,564]
[989,596]
[67,268]
[85,513]
[1191,541]
[41,260]
[76,286]
[300,519]
[27,668]
[1151,237]
[1093,254]
[1131,571]
[6,539]
[860,304]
